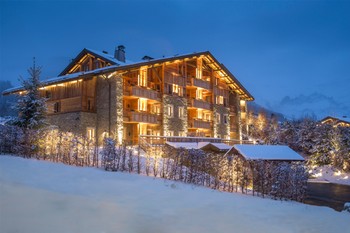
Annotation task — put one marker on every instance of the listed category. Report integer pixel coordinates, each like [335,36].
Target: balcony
[221,91]
[142,92]
[196,123]
[143,117]
[199,83]
[194,103]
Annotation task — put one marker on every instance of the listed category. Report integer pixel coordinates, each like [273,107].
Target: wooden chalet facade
[101,95]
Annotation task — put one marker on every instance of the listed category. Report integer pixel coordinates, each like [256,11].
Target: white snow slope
[38,196]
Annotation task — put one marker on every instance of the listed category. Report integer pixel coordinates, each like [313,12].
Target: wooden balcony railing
[142,92]
[199,104]
[64,105]
[222,92]
[144,117]
[196,123]
[199,83]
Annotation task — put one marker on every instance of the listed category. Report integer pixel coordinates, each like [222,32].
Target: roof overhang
[229,78]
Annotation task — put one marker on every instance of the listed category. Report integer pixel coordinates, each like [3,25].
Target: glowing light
[346,177]
[318,174]
[338,173]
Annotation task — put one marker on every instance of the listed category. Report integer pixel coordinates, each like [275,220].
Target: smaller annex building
[205,146]
[265,152]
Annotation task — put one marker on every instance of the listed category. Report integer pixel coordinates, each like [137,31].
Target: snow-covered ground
[329,174]
[39,196]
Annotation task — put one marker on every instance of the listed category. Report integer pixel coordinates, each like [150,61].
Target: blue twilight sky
[293,56]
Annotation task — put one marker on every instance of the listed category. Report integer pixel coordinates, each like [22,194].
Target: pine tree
[30,106]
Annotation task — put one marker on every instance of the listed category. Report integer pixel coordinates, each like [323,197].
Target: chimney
[119,53]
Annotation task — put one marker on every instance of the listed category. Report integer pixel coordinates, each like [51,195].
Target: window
[155,109]
[219,99]
[57,107]
[207,116]
[181,112]
[199,113]
[199,94]
[142,77]
[142,105]
[175,88]
[170,110]
[90,133]
[225,119]
[218,120]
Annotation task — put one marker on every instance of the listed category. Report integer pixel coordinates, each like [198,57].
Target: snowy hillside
[38,196]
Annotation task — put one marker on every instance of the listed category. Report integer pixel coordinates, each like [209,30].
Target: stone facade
[76,122]
[221,128]
[174,123]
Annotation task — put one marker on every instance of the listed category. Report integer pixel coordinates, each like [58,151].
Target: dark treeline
[322,144]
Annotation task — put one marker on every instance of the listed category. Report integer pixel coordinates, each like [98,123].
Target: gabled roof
[219,147]
[267,152]
[102,55]
[230,79]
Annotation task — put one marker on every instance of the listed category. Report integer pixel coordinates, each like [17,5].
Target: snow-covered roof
[199,145]
[186,145]
[63,78]
[118,65]
[109,57]
[268,152]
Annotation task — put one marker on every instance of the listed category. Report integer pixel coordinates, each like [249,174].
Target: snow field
[39,196]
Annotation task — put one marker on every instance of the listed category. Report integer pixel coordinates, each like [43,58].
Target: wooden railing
[199,83]
[65,105]
[141,117]
[142,92]
[196,123]
[199,104]
[222,92]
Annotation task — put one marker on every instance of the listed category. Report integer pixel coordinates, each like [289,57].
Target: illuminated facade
[101,95]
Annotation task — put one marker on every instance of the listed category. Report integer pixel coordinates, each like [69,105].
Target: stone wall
[174,123]
[75,122]
[221,129]
[109,106]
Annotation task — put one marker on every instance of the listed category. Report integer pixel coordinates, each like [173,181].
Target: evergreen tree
[30,106]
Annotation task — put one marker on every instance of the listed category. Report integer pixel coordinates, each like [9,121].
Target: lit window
[199,94]
[207,116]
[175,88]
[143,105]
[218,120]
[181,112]
[199,69]
[219,99]
[142,77]
[199,113]
[90,133]
[170,110]
[155,109]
